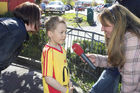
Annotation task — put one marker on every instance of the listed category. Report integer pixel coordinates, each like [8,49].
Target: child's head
[56,30]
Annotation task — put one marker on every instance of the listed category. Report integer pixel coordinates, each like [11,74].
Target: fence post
[92,38]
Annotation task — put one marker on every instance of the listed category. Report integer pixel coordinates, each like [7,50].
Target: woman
[122,33]
[13,31]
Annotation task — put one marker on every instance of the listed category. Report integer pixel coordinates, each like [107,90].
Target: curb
[28,62]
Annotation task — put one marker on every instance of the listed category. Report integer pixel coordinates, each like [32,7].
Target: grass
[85,85]
[71,19]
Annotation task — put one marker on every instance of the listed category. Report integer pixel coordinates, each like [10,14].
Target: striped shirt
[131,70]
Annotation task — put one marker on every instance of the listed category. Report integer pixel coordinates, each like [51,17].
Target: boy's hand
[70,84]
[71,89]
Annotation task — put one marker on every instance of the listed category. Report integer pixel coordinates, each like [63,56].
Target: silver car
[55,6]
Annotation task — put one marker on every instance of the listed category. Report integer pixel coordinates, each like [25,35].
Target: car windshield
[55,3]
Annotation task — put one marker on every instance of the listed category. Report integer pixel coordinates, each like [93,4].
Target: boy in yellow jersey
[55,72]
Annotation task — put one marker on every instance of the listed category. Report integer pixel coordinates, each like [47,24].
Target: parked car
[100,8]
[43,6]
[79,8]
[55,6]
[68,7]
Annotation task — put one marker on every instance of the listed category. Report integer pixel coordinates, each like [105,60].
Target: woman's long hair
[123,21]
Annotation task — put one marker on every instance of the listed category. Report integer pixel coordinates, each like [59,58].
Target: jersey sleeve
[47,62]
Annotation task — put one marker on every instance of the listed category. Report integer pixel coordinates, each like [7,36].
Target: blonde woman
[122,32]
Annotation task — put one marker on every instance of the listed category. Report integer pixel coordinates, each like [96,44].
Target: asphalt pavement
[20,79]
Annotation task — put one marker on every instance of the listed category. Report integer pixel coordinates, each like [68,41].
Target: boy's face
[58,36]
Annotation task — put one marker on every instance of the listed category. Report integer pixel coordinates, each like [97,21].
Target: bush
[33,48]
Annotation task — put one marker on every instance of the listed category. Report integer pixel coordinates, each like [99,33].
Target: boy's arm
[55,84]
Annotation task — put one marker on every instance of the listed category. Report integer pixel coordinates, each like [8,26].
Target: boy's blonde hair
[52,23]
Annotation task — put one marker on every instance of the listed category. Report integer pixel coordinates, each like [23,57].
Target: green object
[90,15]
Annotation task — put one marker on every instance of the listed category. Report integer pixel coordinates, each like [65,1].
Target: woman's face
[107,29]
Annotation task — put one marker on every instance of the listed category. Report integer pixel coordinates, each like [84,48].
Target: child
[54,63]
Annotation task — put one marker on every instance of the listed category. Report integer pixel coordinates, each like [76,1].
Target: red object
[77,49]
[3,0]
[79,8]
[13,3]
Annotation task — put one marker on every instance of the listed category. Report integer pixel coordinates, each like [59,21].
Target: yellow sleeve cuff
[67,90]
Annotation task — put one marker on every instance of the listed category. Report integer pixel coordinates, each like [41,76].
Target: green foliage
[71,19]
[109,1]
[92,47]
[34,46]
[64,1]
[38,1]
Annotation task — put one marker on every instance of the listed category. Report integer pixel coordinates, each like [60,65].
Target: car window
[60,3]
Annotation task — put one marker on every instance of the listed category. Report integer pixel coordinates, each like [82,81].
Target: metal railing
[74,34]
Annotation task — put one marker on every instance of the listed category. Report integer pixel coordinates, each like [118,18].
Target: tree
[109,1]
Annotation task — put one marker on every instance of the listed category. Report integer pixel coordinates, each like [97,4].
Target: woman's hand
[91,57]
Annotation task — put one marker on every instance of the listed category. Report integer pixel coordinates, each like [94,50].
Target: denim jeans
[108,82]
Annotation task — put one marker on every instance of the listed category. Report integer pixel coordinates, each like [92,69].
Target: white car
[55,6]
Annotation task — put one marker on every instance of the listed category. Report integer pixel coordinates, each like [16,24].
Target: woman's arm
[130,71]
[98,60]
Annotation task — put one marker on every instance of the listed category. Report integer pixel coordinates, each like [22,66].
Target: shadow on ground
[11,82]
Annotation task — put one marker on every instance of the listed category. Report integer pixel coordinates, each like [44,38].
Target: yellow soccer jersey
[54,64]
